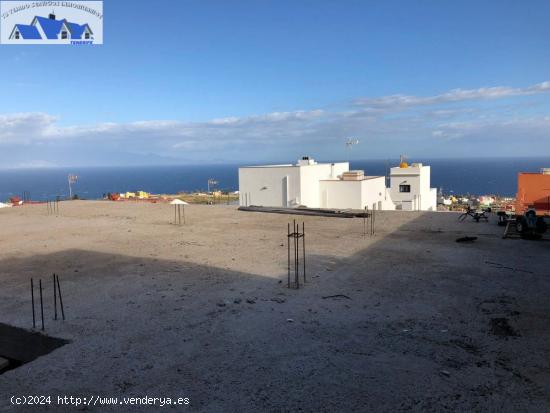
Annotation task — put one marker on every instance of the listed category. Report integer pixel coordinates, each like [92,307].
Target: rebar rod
[54,298]
[296,262]
[373,222]
[304,248]
[365,222]
[32,299]
[41,304]
[288,245]
[60,298]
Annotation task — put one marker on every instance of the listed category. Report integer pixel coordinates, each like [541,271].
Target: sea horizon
[474,176]
[268,162]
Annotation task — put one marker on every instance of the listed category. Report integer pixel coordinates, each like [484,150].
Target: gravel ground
[406,320]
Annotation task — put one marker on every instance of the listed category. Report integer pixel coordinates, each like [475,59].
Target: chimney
[51,16]
[306,160]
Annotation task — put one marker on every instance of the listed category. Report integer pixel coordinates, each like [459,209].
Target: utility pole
[72,179]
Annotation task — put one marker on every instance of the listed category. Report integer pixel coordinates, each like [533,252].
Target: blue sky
[218,81]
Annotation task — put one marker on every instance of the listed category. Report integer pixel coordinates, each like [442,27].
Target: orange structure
[533,192]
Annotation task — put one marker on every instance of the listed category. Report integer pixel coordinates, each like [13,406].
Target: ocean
[458,176]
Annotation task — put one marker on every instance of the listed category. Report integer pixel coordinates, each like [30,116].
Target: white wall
[337,194]
[341,194]
[429,201]
[373,192]
[311,177]
[267,186]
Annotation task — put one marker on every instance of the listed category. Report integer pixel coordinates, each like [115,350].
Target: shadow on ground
[414,322]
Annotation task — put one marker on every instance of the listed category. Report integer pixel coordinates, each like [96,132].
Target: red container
[533,191]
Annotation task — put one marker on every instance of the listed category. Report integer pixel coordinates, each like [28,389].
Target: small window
[404,188]
[63,34]
[87,36]
[17,35]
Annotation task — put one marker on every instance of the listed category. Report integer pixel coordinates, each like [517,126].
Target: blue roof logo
[49,28]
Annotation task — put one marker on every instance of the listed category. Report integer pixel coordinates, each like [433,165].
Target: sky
[185,81]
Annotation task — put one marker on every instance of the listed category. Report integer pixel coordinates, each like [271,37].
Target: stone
[4,364]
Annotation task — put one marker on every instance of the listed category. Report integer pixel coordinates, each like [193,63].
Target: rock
[279,300]
[445,373]
[4,364]
[251,300]
[221,304]
[466,239]
[237,300]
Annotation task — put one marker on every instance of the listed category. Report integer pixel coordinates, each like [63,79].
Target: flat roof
[292,165]
[269,166]
[365,178]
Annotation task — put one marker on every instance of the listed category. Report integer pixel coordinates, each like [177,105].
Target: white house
[286,185]
[332,185]
[311,184]
[410,188]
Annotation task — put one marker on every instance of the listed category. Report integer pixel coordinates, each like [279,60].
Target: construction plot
[406,319]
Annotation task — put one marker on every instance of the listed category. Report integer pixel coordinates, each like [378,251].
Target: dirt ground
[417,321]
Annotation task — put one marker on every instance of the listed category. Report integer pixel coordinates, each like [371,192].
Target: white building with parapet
[410,188]
[330,185]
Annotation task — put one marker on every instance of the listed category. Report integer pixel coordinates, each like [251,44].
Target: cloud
[24,127]
[35,164]
[455,95]
[518,130]
[413,124]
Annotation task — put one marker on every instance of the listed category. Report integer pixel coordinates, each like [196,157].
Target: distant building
[332,185]
[410,188]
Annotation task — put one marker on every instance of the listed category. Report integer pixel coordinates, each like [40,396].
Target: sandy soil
[202,311]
